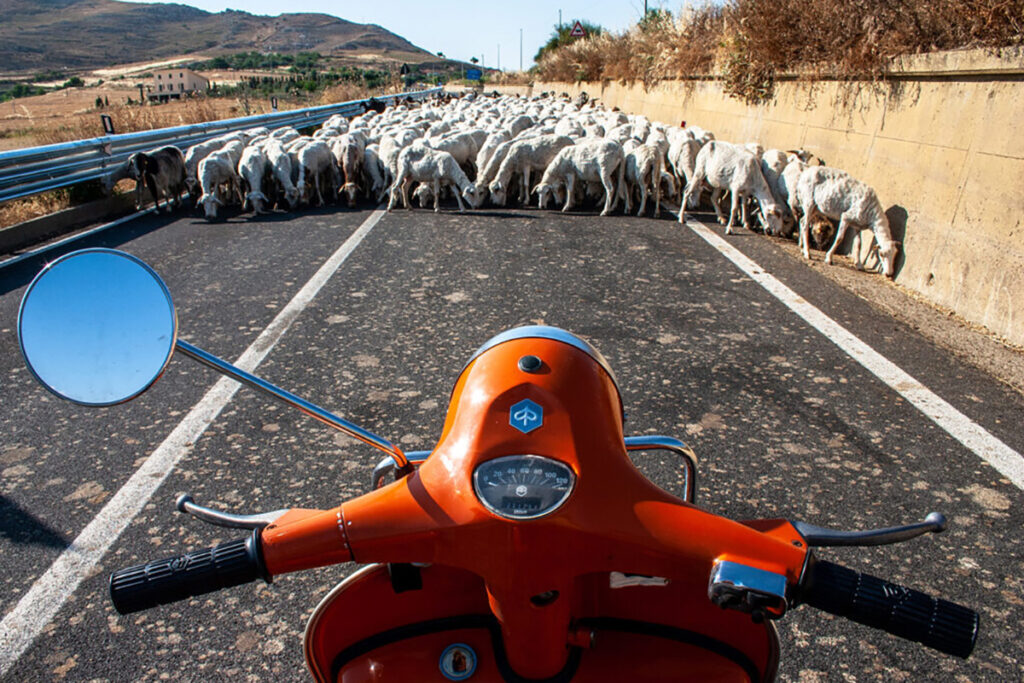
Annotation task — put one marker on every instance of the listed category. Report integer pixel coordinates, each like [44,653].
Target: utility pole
[559,18]
[499,56]
[520,49]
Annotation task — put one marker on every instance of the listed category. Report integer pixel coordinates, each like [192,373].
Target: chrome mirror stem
[294,401]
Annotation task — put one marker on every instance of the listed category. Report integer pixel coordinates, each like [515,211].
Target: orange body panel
[614,520]
[358,650]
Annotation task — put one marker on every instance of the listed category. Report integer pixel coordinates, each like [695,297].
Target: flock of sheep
[483,149]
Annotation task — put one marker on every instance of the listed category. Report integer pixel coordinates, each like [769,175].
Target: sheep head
[887,258]
[210,202]
[772,219]
[543,191]
[474,196]
[351,191]
[498,193]
[257,199]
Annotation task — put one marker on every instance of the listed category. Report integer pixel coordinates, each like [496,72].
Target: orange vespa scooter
[525,547]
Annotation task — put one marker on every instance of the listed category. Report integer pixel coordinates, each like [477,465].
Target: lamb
[316,168]
[254,168]
[425,165]
[839,196]
[162,171]
[682,158]
[524,156]
[587,161]
[193,156]
[215,172]
[729,167]
[462,146]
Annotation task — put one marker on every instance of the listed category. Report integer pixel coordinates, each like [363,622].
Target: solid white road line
[973,436]
[46,596]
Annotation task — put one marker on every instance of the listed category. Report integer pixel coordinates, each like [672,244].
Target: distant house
[173,84]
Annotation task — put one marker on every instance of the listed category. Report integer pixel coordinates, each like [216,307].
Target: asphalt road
[784,423]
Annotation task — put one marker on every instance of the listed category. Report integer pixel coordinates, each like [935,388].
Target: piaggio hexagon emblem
[526,416]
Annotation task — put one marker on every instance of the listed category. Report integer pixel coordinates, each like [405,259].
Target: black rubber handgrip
[178,578]
[939,624]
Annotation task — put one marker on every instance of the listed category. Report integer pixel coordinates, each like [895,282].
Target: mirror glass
[97,327]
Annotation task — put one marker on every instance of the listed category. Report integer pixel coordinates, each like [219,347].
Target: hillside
[39,35]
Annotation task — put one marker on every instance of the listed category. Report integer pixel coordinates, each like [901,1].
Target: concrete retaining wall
[942,143]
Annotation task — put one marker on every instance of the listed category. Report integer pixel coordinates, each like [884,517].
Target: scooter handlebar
[901,611]
[161,582]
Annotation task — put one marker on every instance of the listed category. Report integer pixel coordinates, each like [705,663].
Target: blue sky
[461,29]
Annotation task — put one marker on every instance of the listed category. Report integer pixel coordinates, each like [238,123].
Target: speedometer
[523,486]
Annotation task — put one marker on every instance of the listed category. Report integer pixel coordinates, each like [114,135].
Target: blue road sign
[526,416]
[474,74]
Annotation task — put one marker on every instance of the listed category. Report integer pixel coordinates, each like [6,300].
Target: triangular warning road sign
[578,31]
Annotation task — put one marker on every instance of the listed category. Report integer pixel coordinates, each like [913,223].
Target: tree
[441,55]
[560,36]
[474,60]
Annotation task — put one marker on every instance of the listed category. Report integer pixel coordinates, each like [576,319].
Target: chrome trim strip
[294,401]
[667,443]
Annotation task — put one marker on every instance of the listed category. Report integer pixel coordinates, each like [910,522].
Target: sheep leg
[393,197]
[642,186]
[609,193]
[744,211]
[716,194]
[435,185]
[857,262]
[733,205]
[524,190]
[840,234]
[657,189]
[570,181]
[458,197]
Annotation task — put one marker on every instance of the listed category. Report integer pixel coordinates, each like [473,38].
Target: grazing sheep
[317,170]
[216,173]
[837,195]
[349,151]
[728,167]
[281,169]
[254,170]
[425,165]
[162,171]
[643,174]
[587,161]
[524,156]
[374,172]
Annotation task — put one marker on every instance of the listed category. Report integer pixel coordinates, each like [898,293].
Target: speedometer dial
[523,486]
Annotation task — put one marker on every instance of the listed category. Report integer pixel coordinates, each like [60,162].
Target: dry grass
[21,210]
[749,42]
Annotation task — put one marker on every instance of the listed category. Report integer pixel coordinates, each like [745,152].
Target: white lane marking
[46,596]
[973,436]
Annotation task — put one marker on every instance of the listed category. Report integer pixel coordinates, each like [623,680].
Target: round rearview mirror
[97,327]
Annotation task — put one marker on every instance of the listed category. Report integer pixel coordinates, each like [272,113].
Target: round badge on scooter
[458,662]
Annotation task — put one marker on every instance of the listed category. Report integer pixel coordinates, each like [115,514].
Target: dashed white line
[973,436]
[40,604]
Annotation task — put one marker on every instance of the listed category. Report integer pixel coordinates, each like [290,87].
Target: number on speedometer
[523,486]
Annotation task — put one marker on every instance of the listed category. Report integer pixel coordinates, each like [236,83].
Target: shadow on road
[23,528]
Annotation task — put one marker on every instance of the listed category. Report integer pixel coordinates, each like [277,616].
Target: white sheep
[349,151]
[587,161]
[419,163]
[281,169]
[727,167]
[643,174]
[316,169]
[524,156]
[216,172]
[837,195]
[253,168]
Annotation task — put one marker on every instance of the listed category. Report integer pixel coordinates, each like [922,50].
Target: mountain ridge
[88,34]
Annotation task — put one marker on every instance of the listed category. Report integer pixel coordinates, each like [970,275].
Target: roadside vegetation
[748,43]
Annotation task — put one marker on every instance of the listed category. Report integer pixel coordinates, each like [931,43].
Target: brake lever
[816,536]
[187,505]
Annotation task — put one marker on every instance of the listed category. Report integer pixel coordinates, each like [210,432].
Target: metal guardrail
[24,172]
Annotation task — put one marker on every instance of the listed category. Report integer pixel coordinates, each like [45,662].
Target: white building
[173,84]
